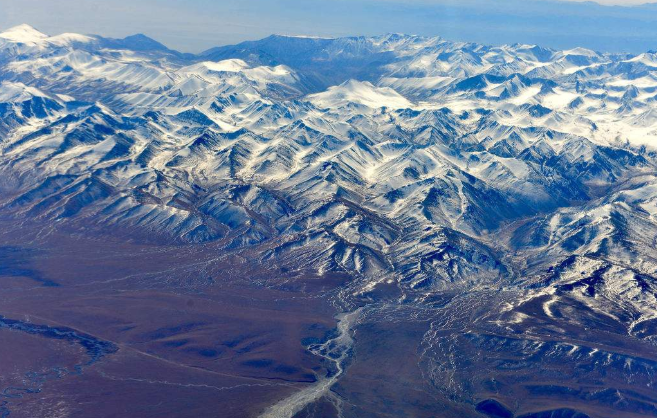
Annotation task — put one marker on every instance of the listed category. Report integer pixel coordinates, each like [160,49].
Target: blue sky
[195,25]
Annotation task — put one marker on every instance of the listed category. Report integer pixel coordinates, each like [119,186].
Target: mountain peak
[361,92]
[23,33]
[137,42]
[142,42]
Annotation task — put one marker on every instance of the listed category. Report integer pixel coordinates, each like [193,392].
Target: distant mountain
[315,58]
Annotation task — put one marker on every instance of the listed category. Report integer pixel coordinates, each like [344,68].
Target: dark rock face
[494,409]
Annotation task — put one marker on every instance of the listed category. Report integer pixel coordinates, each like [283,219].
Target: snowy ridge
[503,195]
[409,170]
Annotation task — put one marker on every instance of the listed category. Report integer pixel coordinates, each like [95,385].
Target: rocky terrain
[482,220]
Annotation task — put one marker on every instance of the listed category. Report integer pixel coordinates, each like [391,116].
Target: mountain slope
[469,185]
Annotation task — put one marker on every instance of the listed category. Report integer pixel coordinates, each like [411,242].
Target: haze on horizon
[196,25]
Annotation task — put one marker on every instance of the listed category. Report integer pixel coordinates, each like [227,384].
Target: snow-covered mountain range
[424,163]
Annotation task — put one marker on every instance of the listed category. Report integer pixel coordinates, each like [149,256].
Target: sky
[196,25]
[619,2]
